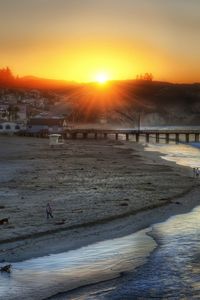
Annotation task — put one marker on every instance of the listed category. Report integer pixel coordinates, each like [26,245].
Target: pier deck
[192,135]
[177,135]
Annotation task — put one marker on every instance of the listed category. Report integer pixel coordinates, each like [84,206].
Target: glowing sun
[101,78]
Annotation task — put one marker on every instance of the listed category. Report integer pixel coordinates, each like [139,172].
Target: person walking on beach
[49,211]
[196,172]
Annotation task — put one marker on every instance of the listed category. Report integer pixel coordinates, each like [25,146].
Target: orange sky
[76,40]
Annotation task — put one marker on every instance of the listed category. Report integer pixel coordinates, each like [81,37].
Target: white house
[10,127]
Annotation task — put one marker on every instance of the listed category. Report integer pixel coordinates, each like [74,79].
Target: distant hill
[8,80]
[157,103]
[42,83]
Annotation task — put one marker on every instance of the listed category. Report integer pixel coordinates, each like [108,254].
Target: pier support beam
[177,138]
[187,137]
[147,137]
[137,137]
[157,137]
[105,135]
[197,137]
[116,136]
[167,138]
[95,135]
[127,137]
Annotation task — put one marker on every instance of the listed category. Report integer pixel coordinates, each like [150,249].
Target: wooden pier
[148,135]
[186,136]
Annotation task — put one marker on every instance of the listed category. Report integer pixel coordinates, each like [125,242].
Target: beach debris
[123,273]
[77,210]
[4,221]
[123,204]
[60,222]
[6,268]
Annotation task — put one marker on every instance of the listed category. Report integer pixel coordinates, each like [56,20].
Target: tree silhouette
[6,76]
[145,77]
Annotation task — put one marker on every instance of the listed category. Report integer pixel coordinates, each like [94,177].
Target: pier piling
[187,137]
[157,137]
[177,138]
[197,137]
[167,138]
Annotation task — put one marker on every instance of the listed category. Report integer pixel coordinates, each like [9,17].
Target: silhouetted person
[49,211]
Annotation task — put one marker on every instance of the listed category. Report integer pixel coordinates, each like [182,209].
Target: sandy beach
[100,188]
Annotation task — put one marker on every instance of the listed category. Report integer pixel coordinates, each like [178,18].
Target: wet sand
[101,188]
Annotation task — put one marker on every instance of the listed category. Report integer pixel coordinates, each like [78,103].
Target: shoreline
[182,208]
[79,235]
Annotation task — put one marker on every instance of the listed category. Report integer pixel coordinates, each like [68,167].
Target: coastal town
[33,109]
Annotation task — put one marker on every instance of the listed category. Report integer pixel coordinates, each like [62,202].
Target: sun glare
[101,78]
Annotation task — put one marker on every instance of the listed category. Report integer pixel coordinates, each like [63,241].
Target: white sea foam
[46,276]
[181,154]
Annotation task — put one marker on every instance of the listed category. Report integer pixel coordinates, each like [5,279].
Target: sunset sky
[81,39]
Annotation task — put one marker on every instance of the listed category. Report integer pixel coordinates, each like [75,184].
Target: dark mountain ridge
[119,101]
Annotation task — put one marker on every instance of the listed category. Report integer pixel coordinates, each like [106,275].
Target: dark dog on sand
[4,221]
[6,268]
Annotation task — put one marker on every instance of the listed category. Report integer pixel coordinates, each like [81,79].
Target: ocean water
[161,262]
[172,270]
[181,154]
